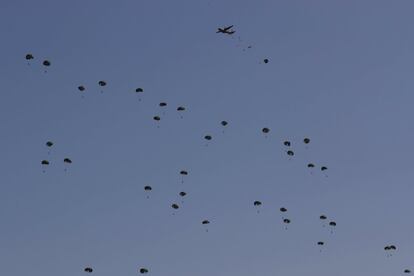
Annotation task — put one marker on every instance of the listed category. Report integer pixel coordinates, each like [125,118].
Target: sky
[340,73]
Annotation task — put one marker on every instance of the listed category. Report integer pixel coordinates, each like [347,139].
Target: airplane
[226,30]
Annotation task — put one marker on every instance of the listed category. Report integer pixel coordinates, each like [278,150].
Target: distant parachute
[156,118]
[287,221]
[321,243]
[162,104]
[181,109]
[323,168]
[67,161]
[148,188]
[183,172]
[257,204]
[283,209]
[81,88]
[266,60]
[205,222]
[290,153]
[102,84]
[29,57]
[407,271]
[175,206]
[88,269]
[45,162]
[182,194]
[139,90]
[224,123]
[286,143]
[49,144]
[208,137]
[306,140]
[322,217]
[46,63]
[311,165]
[265,130]
[143,270]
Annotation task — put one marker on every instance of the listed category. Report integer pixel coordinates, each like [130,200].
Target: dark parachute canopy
[45,162]
[224,123]
[183,172]
[306,140]
[139,90]
[287,221]
[162,104]
[407,271]
[332,223]
[311,165]
[283,209]
[175,206]
[81,88]
[88,269]
[257,203]
[208,137]
[148,188]
[323,168]
[183,194]
[143,270]
[67,161]
[286,143]
[322,217]
[321,243]
[156,118]
[46,63]
[290,153]
[181,108]
[29,57]
[205,222]
[265,130]
[49,144]
[266,60]
[102,83]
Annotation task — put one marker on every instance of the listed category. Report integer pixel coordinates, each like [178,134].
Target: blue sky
[340,72]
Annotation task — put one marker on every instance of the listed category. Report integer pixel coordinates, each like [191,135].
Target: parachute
[266,60]
[148,188]
[322,217]
[162,104]
[81,88]
[175,206]
[29,57]
[139,90]
[205,222]
[183,172]
[143,270]
[157,118]
[49,144]
[88,269]
[102,83]
[311,165]
[407,271]
[67,161]
[46,63]
[323,168]
[45,162]
[286,143]
[224,123]
[181,109]
[257,203]
[182,194]
[306,140]
[283,210]
[265,130]
[287,221]
[290,153]
[321,243]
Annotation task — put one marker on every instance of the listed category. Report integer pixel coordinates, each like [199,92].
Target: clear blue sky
[340,72]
